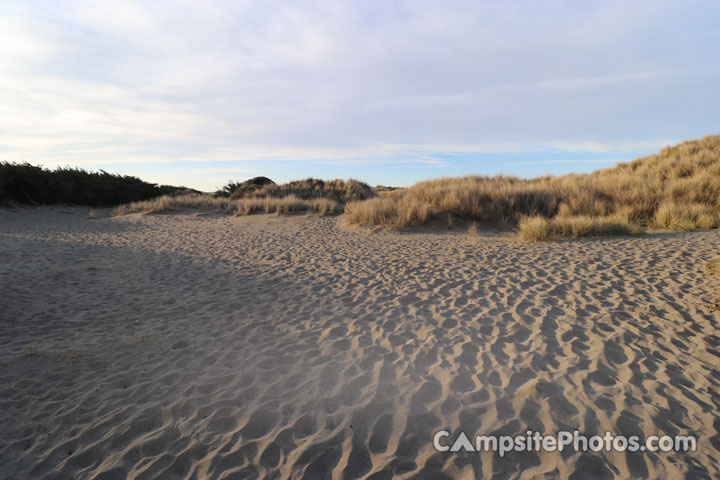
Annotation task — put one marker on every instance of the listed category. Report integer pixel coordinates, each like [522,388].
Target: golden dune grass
[713,266]
[677,189]
[678,216]
[397,212]
[246,206]
[285,205]
[542,228]
[169,203]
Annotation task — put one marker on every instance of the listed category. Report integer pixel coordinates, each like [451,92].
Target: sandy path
[183,346]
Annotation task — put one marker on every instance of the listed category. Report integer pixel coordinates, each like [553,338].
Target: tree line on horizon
[25,184]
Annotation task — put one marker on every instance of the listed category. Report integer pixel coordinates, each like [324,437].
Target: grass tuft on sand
[31,350]
[713,266]
[473,229]
[133,341]
[686,217]
[396,212]
[538,228]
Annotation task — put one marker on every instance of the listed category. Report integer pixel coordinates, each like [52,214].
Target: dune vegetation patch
[685,217]
[676,189]
[396,212]
[713,266]
[310,195]
[541,228]
[167,203]
[341,191]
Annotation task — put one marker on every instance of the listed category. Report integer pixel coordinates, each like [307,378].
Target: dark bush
[23,183]
[239,189]
[309,188]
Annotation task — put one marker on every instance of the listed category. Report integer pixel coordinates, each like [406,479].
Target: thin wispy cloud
[267,87]
[567,162]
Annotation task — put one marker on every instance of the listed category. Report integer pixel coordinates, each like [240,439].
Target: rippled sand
[204,346]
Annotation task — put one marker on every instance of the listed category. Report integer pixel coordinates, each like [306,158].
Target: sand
[209,346]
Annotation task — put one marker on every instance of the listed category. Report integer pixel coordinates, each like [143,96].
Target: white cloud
[348,83]
[597,161]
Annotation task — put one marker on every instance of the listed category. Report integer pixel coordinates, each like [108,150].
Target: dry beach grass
[676,189]
[217,346]
[311,195]
[245,206]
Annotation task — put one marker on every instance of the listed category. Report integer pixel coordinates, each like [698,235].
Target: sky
[198,93]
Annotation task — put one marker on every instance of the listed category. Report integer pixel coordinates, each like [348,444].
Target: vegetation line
[676,189]
[262,195]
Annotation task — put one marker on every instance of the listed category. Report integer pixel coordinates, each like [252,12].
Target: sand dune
[204,346]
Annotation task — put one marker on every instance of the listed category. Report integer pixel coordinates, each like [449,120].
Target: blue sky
[390,92]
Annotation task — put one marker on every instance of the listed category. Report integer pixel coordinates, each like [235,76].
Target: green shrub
[237,190]
[27,184]
[338,190]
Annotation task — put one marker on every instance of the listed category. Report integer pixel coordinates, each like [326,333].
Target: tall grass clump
[713,266]
[541,228]
[280,206]
[168,203]
[677,188]
[396,212]
[685,217]
[285,205]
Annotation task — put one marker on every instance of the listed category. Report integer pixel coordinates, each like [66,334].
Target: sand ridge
[208,346]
